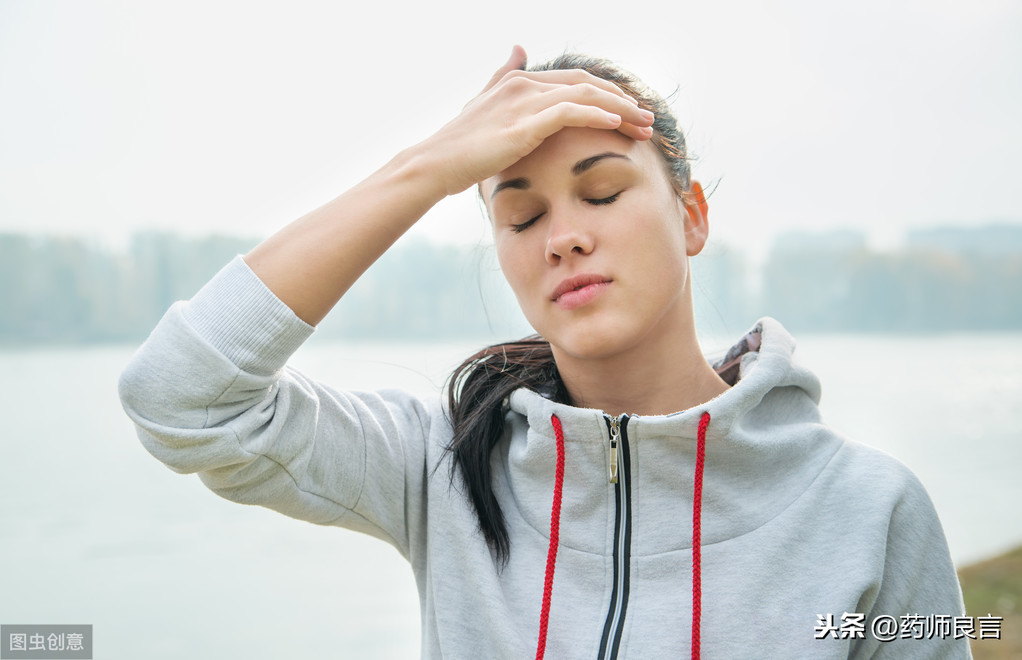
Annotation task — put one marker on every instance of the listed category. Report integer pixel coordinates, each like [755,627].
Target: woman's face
[594,241]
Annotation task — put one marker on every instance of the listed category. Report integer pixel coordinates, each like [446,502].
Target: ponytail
[477,396]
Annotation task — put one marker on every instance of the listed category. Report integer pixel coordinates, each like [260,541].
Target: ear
[697,226]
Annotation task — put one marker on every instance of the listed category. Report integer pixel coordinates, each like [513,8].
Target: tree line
[73,290]
[58,289]
[938,280]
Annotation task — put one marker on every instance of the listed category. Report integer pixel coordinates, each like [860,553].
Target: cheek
[663,250]
[523,275]
[512,262]
[673,228]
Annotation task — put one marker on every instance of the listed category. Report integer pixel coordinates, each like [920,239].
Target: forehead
[558,154]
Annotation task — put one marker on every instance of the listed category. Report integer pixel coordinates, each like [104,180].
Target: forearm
[312,262]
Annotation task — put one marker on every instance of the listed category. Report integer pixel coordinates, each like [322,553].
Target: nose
[568,235]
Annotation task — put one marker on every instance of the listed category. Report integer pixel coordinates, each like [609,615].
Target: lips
[579,290]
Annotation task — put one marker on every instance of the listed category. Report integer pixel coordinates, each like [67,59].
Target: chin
[585,343]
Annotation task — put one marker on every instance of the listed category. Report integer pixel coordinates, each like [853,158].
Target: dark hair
[478,389]
[477,396]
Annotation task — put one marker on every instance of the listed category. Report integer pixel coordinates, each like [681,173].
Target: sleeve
[210,393]
[913,613]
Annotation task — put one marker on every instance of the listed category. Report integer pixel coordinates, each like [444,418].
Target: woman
[600,492]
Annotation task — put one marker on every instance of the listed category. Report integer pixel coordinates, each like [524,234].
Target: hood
[764,444]
[734,462]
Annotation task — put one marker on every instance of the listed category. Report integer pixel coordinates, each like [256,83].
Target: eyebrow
[579,168]
[521,183]
[586,163]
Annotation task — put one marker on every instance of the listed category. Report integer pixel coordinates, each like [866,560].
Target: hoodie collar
[763,359]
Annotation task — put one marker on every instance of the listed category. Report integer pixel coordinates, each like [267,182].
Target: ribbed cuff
[245,321]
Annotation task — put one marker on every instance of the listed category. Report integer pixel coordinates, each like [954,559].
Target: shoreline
[994,586]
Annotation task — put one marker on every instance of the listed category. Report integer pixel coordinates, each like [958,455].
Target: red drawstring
[555,525]
[697,508]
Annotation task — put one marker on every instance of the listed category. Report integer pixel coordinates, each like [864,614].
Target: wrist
[419,170]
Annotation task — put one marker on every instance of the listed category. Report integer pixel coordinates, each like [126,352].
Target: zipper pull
[615,435]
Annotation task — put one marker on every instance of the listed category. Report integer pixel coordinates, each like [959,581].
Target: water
[94,530]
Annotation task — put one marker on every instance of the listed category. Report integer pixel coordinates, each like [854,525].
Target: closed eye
[519,228]
[605,200]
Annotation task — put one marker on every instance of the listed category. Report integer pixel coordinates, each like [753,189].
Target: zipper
[615,436]
[619,476]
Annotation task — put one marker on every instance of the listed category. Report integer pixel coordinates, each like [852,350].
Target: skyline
[236,118]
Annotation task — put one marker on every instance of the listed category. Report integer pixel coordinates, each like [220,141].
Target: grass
[994,586]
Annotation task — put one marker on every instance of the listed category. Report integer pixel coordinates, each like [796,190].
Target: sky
[237,117]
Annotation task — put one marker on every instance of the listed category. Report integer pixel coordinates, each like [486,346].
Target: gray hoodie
[808,539]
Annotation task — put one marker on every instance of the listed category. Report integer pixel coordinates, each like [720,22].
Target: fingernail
[646,114]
